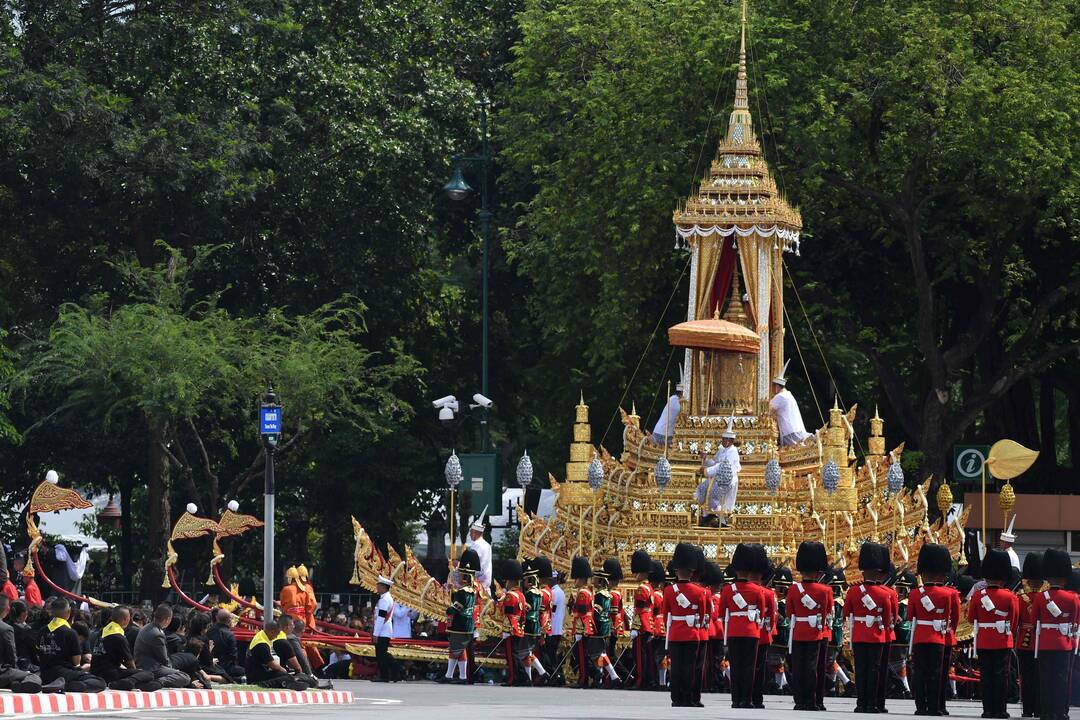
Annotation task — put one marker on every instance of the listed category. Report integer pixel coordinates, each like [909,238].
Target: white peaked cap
[478,524]
[780,379]
[730,431]
[383,580]
[1008,536]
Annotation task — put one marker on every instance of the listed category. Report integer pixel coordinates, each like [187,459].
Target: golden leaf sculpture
[1009,458]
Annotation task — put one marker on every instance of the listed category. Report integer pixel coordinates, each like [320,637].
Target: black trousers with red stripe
[822,674]
[643,660]
[758,695]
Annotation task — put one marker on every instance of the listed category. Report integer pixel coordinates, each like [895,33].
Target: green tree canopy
[186,373]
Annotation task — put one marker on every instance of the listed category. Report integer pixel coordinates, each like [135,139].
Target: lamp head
[457,188]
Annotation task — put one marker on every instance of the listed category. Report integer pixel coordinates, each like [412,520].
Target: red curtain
[722,281]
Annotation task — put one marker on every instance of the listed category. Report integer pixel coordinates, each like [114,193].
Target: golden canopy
[714,334]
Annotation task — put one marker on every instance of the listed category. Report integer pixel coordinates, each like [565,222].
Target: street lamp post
[457,189]
[270,430]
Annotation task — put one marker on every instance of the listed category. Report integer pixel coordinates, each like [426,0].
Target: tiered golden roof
[739,189]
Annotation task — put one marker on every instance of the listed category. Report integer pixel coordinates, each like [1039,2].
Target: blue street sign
[270,420]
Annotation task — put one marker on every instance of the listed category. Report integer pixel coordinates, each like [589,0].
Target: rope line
[652,336]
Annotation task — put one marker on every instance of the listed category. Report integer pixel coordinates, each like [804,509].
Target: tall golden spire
[740,126]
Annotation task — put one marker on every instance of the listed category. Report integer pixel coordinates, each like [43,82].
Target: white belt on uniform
[1000,626]
[690,620]
[812,619]
[938,625]
[868,620]
[1063,628]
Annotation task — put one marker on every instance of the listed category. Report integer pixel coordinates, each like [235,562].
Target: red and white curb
[23,704]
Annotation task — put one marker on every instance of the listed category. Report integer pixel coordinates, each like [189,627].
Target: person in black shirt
[224,644]
[262,667]
[25,637]
[112,660]
[287,659]
[11,677]
[60,653]
[131,632]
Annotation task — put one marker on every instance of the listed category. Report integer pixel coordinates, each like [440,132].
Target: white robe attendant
[483,551]
[731,454]
[785,409]
[665,426]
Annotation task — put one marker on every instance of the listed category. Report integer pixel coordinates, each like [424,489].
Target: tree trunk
[127,564]
[1047,430]
[1074,426]
[157,515]
[932,441]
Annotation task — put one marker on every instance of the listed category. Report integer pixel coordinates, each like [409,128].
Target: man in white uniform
[483,549]
[728,453]
[785,411]
[389,670]
[1005,542]
[558,617]
[665,425]
[403,620]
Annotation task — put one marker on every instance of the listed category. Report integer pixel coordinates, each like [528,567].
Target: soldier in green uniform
[460,623]
[534,620]
[596,644]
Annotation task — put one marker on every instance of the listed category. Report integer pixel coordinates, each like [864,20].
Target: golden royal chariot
[737,228]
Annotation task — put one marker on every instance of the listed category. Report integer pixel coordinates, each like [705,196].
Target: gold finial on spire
[735,312]
[740,128]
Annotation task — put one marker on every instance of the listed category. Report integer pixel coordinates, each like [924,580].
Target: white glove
[505,635]
[577,638]
[476,634]
[633,634]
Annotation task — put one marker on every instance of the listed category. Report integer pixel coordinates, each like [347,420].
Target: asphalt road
[428,701]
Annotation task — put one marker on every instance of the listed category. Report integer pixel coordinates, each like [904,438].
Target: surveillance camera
[482,401]
[449,401]
[446,414]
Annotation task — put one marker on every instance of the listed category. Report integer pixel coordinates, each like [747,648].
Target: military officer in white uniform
[483,549]
[785,411]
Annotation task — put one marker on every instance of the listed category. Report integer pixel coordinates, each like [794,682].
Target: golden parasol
[1007,459]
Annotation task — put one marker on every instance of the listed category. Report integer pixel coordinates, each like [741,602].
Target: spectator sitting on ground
[131,632]
[223,649]
[151,652]
[112,659]
[11,677]
[59,653]
[262,668]
[187,662]
[25,637]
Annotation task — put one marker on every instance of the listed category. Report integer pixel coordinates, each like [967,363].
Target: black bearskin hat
[640,562]
[511,570]
[613,570]
[811,557]
[1033,567]
[580,569]
[996,565]
[685,557]
[1056,564]
[934,560]
[656,573]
